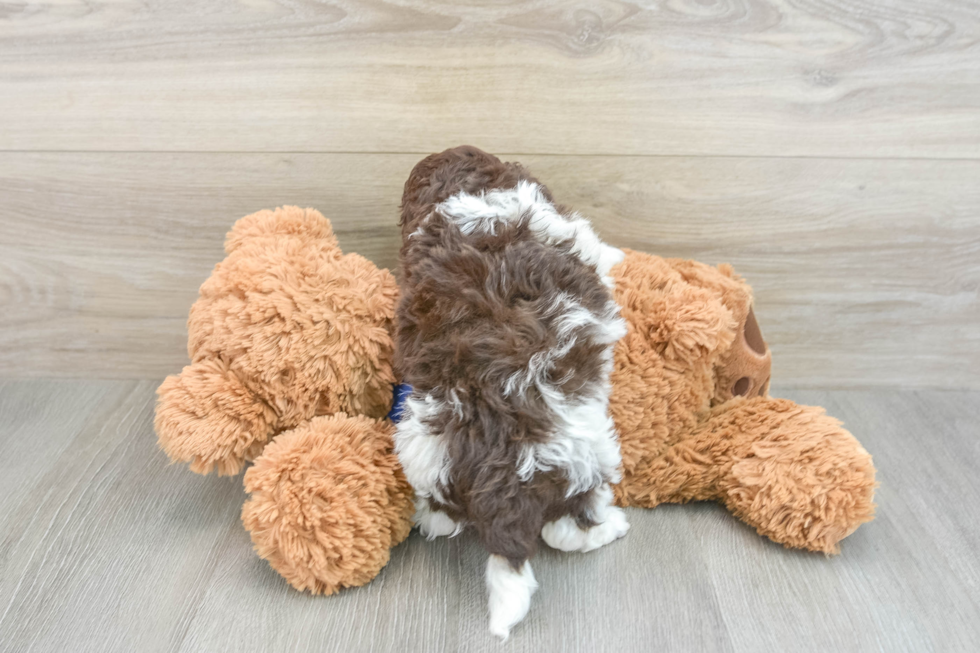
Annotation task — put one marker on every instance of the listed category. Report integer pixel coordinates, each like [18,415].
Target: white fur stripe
[483,212]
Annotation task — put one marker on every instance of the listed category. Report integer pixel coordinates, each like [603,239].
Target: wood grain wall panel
[688,77]
[865,271]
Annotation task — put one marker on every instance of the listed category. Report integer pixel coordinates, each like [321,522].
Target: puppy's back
[505,332]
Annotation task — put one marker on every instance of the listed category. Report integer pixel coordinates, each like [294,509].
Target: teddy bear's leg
[804,482]
[565,534]
[328,501]
[207,417]
[789,471]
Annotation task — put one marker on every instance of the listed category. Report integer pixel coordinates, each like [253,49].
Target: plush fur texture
[506,331]
[322,511]
[287,327]
[789,471]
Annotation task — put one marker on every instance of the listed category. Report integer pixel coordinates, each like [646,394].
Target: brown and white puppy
[506,331]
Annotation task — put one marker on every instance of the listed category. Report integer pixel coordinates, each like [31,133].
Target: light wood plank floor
[106,547]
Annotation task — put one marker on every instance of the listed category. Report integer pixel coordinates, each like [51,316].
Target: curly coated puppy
[506,331]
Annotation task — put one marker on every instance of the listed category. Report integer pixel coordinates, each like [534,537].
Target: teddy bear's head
[692,342]
[286,328]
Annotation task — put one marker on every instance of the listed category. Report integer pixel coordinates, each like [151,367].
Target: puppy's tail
[510,589]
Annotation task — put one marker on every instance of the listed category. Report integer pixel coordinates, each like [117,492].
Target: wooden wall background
[830,150]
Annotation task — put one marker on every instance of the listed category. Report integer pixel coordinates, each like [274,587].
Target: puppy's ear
[208,418]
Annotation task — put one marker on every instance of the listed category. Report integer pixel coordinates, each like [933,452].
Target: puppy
[506,329]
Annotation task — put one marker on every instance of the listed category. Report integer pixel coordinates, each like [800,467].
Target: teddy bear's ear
[208,418]
[682,321]
[693,324]
[284,221]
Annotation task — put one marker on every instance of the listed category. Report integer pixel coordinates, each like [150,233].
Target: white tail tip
[510,594]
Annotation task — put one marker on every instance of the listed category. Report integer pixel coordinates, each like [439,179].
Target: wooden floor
[107,548]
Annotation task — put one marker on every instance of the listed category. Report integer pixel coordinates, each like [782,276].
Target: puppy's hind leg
[510,590]
[434,523]
[565,534]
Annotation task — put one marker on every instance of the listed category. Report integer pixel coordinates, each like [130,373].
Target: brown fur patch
[474,313]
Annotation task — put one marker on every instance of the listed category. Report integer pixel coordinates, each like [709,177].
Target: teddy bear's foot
[805,483]
[434,523]
[328,501]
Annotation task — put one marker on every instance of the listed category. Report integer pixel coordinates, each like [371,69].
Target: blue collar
[401,393]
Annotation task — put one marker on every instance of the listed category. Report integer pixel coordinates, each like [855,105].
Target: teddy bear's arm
[208,418]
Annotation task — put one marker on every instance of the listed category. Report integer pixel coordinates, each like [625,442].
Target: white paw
[439,524]
[434,523]
[610,530]
[565,535]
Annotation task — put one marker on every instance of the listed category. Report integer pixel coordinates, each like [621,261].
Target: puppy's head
[438,177]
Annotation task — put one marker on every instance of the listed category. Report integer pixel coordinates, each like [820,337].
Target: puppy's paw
[434,523]
[565,535]
[610,530]
[438,524]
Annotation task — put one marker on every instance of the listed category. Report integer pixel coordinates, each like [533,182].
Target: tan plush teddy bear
[291,352]
[690,403]
[290,333]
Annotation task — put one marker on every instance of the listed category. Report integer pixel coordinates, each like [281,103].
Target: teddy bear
[291,347]
[690,402]
[291,357]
